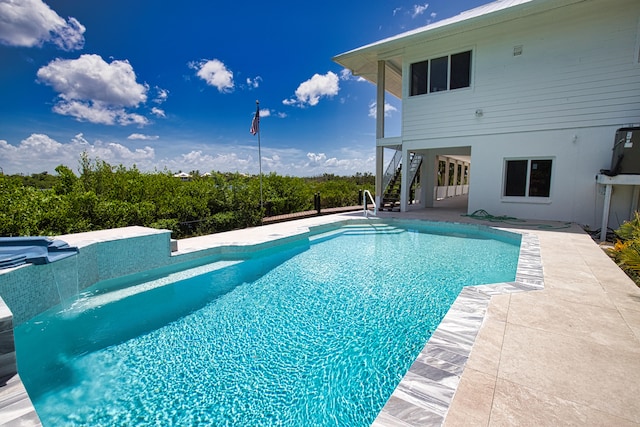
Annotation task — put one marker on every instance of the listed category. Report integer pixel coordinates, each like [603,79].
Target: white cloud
[143,137]
[158,112]
[396,10]
[123,118]
[118,153]
[215,73]
[388,109]
[349,162]
[265,112]
[40,152]
[242,158]
[419,9]
[162,95]
[92,78]
[97,112]
[29,23]
[93,90]
[316,158]
[346,75]
[253,83]
[310,91]
[86,111]
[79,139]
[199,160]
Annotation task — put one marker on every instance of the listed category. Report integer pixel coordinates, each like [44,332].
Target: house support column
[446,172]
[605,212]
[428,178]
[379,174]
[455,172]
[380,130]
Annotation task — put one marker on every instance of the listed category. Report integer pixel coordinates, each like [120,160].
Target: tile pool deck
[565,355]
[568,354]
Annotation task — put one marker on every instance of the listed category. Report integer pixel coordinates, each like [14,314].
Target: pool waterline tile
[451,345]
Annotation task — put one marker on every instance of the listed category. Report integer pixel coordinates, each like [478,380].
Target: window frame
[527,197]
[426,82]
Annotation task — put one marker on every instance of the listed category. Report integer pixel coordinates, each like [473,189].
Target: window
[419,77]
[441,74]
[528,178]
[461,70]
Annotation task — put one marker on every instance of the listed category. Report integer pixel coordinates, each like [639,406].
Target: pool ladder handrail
[366,193]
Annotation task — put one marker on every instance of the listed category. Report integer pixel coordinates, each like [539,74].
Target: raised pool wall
[103,255]
[31,289]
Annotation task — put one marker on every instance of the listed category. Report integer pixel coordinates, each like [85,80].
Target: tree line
[104,196]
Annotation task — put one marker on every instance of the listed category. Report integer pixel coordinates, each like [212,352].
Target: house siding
[578,69]
[576,82]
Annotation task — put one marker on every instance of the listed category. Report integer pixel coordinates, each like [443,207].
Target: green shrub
[105,196]
[626,251]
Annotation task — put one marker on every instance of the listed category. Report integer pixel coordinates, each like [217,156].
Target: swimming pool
[318,333]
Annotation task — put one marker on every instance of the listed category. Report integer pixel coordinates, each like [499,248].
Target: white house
[529,93]
[183,176]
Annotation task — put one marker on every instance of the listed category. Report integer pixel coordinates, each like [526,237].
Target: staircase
[391,193]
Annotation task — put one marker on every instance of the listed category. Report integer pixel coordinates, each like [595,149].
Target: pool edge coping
[425,393]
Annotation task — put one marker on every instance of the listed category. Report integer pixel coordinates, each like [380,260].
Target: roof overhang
[363,61]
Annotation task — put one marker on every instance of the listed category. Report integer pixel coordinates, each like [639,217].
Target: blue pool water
[317,333]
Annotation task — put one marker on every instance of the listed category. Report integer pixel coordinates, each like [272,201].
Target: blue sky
[164,84]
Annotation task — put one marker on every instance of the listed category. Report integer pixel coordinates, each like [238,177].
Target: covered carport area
[444,173]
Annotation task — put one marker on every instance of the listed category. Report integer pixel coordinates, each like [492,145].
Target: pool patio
[564,355]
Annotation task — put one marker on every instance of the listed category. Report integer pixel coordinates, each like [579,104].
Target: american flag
[255,123]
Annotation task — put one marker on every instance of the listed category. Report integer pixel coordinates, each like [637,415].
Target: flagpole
[259,153]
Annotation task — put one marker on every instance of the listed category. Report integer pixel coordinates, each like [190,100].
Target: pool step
[317,238]
[360,229]
[357,230]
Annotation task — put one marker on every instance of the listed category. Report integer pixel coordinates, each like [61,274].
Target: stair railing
[367,194]
[391,170]
[414,167]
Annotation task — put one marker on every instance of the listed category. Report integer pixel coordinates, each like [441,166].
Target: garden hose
[483,215]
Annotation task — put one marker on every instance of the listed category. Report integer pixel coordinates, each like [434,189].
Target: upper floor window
[443,73]
[528,178]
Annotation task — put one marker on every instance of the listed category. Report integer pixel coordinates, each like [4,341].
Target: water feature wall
[31,289]
[103,255]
